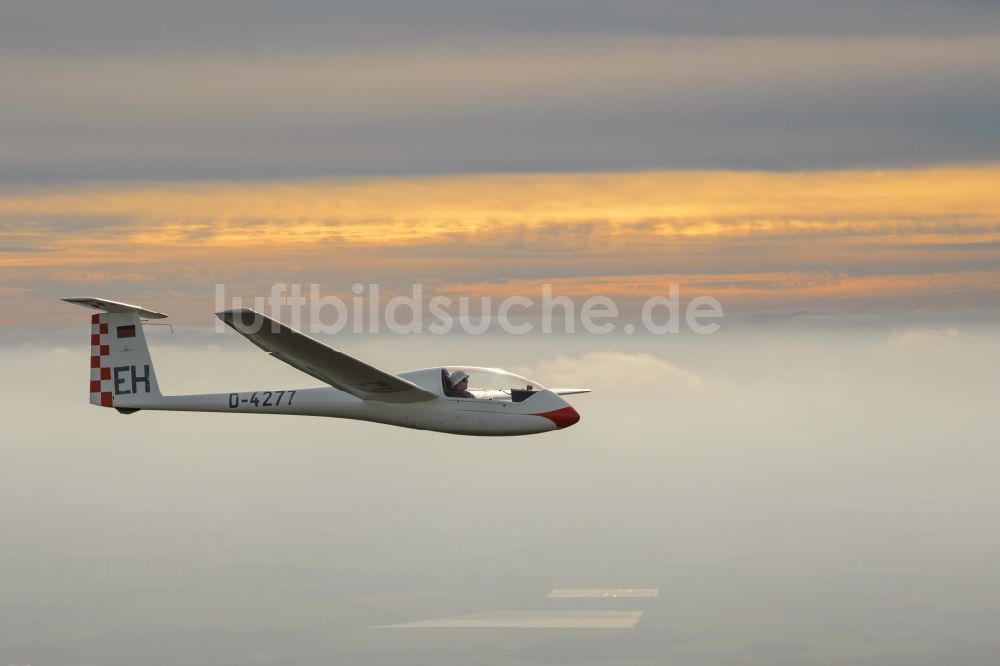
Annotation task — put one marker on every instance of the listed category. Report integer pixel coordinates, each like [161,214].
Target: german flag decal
[126,331]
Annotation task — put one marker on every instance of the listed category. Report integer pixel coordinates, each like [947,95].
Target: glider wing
[329,365]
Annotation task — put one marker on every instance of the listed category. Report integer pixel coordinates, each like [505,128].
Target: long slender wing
[569,391]
[312,357]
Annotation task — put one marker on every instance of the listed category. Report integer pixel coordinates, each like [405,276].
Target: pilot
[460,385]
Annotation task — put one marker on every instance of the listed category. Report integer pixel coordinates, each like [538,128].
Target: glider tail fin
[121,369]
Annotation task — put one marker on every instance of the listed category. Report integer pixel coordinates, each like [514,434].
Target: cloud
[616,372]
[922,337]
[99,276]
[546,213]
[523,104]
[137,27]
[831,240]
[745,287]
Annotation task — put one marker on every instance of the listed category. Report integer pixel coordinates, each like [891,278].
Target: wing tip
[243,316]
[235,311]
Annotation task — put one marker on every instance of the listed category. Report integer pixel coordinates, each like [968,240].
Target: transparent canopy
[491,384]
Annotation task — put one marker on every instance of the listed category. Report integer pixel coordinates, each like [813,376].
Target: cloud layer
[846,240]
[599,103]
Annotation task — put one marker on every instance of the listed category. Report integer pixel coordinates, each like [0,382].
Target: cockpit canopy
[491,384]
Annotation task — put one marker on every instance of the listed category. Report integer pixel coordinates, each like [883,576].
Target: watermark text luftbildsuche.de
[307,308]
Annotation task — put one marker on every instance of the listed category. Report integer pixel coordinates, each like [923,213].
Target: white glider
[502,403]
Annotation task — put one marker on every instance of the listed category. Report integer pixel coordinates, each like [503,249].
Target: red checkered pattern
[100,362]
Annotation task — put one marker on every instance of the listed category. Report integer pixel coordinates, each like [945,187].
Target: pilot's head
[460,380]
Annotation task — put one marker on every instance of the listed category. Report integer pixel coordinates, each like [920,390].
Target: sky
[809,485]
[152,151]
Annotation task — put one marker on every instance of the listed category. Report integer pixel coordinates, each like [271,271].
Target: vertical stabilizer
[121,370]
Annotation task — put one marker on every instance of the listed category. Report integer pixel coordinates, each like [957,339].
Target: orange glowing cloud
[743,287]
[926,205]
[751,237]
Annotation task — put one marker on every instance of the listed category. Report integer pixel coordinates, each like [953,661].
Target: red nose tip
[563,417]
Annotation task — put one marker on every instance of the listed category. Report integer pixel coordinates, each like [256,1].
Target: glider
[455,399]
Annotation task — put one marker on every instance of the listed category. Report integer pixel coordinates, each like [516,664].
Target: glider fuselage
[542,412]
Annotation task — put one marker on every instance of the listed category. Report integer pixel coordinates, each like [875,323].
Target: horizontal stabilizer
[114,306]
